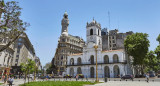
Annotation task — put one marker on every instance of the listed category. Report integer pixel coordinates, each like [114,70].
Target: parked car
[52,76]
[140,76]
[158,75]
[48,77]
[67,76]
[80,76]
[151,74]
[127,77]
[44,77]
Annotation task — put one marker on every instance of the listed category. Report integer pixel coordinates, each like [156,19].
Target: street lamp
[95,47]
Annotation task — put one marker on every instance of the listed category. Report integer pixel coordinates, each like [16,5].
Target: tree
[158,38]
[27,68]
[157,51]
[51,69]
[152,62]
[24,69]
[11,26]
[136,45]
[30,67]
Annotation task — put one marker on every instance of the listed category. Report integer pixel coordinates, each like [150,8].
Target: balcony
[99,63]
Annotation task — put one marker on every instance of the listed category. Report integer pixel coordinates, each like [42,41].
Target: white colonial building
[111,63]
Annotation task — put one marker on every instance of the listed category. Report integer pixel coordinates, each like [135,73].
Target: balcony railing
[100,62]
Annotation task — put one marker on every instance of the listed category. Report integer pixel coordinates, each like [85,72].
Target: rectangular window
[17,60]
[20,39]
[17,55]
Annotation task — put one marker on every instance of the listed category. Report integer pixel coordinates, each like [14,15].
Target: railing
[100,62]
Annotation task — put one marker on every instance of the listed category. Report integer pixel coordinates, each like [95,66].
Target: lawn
[59,83]
[1,83]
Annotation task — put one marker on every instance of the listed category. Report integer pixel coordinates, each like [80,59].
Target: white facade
[111,63]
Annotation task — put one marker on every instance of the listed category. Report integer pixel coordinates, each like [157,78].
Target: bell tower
[65,23]
[93,30]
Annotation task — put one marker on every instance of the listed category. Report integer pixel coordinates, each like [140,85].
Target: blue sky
[125,15]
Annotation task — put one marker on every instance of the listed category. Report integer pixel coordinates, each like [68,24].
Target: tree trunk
[9,43]
[28,76]
[25,78]
[142,72]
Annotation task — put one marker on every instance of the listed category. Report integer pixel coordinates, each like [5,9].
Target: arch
[71,61]
[79,61]
[115,58]
[106,59]
[92,59]
[106,72]
[71,72]
[79,71]
[91,31]
[92,72]
[116,71]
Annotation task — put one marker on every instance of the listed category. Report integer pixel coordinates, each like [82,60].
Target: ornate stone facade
[110,63]
[67,45]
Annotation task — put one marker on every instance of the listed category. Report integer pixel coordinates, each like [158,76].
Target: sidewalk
[118,83]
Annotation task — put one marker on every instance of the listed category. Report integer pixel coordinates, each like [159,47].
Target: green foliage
[11,25]
[137,45]
[59,83]
[28,68]
[151,62]
[158,38]
[157,51]
[52,68]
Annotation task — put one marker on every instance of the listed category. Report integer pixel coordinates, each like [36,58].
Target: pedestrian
[10,80]
[5,79]
[76,77]
[147,76]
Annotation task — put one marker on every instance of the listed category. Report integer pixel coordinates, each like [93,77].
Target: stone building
[67,44]
[112,59]
[38,63]
[6,56]
[23,51]
[113,40]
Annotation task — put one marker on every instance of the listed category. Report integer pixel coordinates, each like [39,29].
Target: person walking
[76,77]
[5,79]
[147,76]
[10,80]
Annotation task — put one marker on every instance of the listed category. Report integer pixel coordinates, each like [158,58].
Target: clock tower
[93,30]
[65,23]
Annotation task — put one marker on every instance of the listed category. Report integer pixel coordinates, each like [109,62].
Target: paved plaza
[129,83]
[112,82]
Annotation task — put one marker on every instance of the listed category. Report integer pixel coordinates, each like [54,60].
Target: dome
[65,13]
[93,21]
[65,33]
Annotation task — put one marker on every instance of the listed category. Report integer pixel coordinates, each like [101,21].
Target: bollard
[105,79]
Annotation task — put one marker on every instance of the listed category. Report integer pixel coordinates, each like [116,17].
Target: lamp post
[95,47]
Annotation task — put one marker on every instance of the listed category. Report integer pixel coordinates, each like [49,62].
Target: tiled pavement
[129,83]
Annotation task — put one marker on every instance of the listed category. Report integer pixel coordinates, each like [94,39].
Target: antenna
[118,24]
[109,19]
